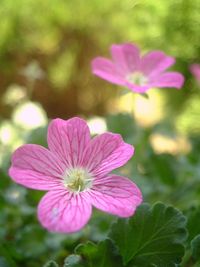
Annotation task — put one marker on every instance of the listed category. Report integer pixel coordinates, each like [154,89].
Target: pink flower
[75,169]
[195,70]
[128,68]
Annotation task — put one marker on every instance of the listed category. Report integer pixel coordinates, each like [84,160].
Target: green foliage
[3,262]
[193,227]
[51,264]
[103,253]
[122,124]
[195,246]
[72,261]
[158,166]
[154,236]
[150,22]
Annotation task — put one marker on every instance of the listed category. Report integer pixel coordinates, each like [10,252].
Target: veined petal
[60,211]
[36,167]
[67,139]
[155,62]
[168,79]
[105,153]
[116,195]
[126,57]
[106,70]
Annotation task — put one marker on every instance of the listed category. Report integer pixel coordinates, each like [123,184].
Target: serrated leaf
[153,236]
[103,253]
[195,246]
[51,263]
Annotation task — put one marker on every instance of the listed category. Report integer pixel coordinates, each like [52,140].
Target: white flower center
[137,78]
[77,179]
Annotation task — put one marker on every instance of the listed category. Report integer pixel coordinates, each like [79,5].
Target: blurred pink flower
[75,169]
[139,74]
[195,70]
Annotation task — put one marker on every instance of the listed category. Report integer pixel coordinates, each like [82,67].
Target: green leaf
[193,227]
[103,253]
[153,236]
[51,263]
[195,246]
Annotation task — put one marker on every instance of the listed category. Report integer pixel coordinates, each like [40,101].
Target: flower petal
[138,88]
[36,167]
[105,153]
[195,70]
[126,57]
[106,70]
[155,62]
[67,139]
[116,195]
[168,79]
[60,211]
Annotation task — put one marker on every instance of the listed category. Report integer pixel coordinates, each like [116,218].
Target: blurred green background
[46,46]
[45,52]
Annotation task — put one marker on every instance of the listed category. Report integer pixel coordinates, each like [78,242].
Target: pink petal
[168,79]
[105,153]
[126,57]
[60,211]
[106,70]
[155,62]
[138,88]
[116,195]
[67,139]
[36,167]
[195,70]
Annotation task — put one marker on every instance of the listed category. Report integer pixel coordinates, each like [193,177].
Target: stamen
[137,78]
[77,179]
